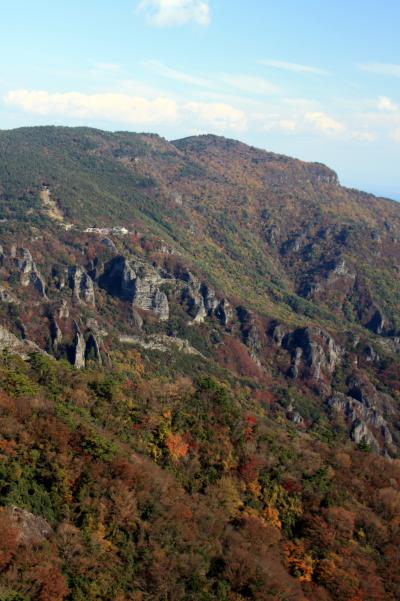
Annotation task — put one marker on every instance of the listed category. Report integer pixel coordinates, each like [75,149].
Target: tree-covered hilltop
[199,373]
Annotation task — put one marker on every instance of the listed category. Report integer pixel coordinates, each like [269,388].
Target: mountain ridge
[200,321]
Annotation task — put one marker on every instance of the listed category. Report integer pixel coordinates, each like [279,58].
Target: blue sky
[315,79]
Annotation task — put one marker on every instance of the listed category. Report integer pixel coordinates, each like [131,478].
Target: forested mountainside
[199,373]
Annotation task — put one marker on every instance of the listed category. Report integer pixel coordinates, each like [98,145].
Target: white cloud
[386,104]
[176,75]
[250,84]
[107,106]
[127,108]
[324,123]
[390,69]
[166,13]
[220,116]
[295,67]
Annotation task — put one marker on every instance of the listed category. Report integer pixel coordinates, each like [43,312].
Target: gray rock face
[9,342]
[294,416]
[360,433]
[278,333]
[78,349]
[138,283]
[365,421]
[63,310]
[25,265]
[210,300]
[193,296]
[159,305]
[108,243]
[137,319]
[29,273]
[337,274]
[92,349]
[360,408]
[161,343]
[82,285]
[55,334]
[84,349]
[95,268]
[202,301]
[250,333]
[120,278]
[146,292]
[297,355]
[31,529]
[224,312]
[320,353]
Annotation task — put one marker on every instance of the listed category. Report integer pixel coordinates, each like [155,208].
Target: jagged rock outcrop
[297,355]
[78,348]
[137,319]
[55,334]
[192,294]
[278,332]
[9,342]
[147,295]
[314,348]
[294,416]
[138,283]
[92,349]
[336,275]
[118,278]
[28,271]
[210,300]
[224,312]
[85,348]
[59,276]
[108,243]
[31,529]
[95,268]
[162,343]
[93,326]
[63,310]
[202,301]
[82,285]
[250,332]
[25,265]
[365,422]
